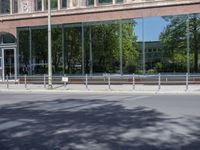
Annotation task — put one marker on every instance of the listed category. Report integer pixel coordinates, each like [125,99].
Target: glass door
[9,63]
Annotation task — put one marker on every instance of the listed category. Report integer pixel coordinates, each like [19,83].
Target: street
[97,121]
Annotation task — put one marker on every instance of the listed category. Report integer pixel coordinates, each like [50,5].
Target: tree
[130,47]
[106,47]
[174,42]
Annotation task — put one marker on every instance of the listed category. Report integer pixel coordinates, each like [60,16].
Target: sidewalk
[123,88]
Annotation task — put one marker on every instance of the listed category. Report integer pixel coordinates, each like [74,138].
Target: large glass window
[4,6]
[143,45]
[170,53]
[73,50]
[131,40]
[24,53]
[57,61]
[165,44]
[194,44]
[39,50]
[102,41]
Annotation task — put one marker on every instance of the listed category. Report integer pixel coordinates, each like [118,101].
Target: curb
[53,91]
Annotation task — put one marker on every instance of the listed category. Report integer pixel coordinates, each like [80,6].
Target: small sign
[65,79]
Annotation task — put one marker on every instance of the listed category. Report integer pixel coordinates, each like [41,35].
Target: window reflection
[105,48]
[173,40]
[153,44]
[194,35]
[72,53]
[39,51]
[130,45]
[24,65]
[57,50]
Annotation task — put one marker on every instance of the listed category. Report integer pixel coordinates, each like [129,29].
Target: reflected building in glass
[100,36]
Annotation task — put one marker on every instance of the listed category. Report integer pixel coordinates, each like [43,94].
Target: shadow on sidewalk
[76,124]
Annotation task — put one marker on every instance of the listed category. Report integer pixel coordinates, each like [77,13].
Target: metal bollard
[44,81]
[86,81]
[109,82]
[25,83]
[187,83]
[65,85]
[7,82]
[133,81]
[159,81]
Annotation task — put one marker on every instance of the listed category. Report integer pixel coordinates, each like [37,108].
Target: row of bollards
[134,83]
[108,76]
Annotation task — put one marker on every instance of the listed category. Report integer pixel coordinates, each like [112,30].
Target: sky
[153,26]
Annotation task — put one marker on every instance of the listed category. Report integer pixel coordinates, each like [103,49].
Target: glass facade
[140,45]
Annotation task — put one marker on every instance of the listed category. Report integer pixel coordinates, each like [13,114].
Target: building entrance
[8,61]
[8,64]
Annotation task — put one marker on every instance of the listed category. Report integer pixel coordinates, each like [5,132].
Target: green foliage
[173,39]
[129,47]
[151,71]
[159,67]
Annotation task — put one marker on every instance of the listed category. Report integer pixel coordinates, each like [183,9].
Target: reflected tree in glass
[105,48]
[24,66]
[73,54]
[39,50]
[130,47]
[173,39]
[57,50]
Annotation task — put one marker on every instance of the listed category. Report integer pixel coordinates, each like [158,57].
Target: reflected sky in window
[153,26]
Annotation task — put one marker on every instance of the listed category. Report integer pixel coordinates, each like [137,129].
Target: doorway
[9,65]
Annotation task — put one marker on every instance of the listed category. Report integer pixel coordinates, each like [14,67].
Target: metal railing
[108,81]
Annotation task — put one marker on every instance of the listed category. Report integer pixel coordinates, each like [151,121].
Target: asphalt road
[99,122]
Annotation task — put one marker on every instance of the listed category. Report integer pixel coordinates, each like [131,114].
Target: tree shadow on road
[76,124]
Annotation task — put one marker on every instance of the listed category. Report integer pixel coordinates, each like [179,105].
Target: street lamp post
[49,47]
